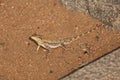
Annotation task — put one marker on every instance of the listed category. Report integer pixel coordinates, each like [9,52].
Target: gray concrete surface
[106,11]
[105,68]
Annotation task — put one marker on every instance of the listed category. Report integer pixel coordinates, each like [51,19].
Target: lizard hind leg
[66,48]
[71,49]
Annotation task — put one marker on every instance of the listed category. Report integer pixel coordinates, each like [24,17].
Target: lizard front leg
[43,46]
[38,47]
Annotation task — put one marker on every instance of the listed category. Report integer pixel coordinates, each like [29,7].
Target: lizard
[48,44]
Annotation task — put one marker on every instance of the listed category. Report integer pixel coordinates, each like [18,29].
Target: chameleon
[48,44]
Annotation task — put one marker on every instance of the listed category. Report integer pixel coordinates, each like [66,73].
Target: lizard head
[36,38]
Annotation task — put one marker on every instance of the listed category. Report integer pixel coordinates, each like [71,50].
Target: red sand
[19,19]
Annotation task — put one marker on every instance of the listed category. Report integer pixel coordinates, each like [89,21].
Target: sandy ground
[19,19]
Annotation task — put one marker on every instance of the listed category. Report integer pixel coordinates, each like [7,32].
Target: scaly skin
[47,44]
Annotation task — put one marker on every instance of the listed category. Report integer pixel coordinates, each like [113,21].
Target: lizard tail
[67,41]
[85,33]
